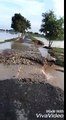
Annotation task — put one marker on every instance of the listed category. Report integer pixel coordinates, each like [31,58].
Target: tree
[20,24]
[52,27]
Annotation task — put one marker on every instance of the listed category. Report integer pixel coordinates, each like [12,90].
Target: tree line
[51,26]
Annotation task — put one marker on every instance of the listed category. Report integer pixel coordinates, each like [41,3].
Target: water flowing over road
[29,86]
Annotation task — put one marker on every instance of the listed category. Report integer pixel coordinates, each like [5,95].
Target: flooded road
[12,45]
[53,73]
[27,90]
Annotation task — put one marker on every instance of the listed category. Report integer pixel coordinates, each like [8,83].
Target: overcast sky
[31,9]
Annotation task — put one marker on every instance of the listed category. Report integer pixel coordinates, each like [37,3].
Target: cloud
[59,7]
[31,9]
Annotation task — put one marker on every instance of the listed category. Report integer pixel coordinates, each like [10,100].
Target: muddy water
[13,45]
[55,75]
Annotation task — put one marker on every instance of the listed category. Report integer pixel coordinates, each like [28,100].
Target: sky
[30,9]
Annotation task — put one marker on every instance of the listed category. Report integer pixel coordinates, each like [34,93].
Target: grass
[58,50]
[58,53]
